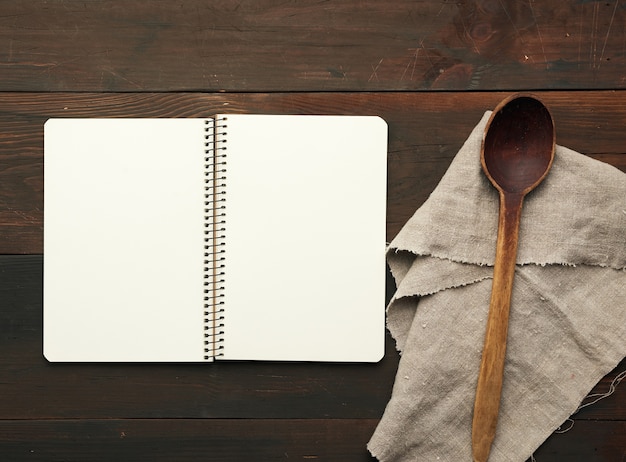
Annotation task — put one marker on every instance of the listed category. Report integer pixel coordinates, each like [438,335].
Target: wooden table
[430,68]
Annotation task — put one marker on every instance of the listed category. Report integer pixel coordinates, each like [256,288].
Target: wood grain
[265,45]
[224,440]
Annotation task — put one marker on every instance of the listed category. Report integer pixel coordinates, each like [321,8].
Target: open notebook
[239,237]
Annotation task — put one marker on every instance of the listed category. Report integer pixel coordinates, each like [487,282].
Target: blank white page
[305,238]
[123,239]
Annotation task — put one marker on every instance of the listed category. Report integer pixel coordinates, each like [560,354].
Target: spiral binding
[214,229]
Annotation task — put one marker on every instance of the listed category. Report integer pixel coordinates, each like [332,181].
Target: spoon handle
[487,403]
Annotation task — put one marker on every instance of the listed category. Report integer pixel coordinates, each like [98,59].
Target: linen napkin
[567,326]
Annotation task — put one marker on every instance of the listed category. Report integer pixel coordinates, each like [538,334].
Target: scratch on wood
[375,69]
[515,28]
[24,216]
[580,34]
[468,34]
[430,61]
[543,49]
[413,62]
[119,76]
[443,5]
[606,38]
[594,32]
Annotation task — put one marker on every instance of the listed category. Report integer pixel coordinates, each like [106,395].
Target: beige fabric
[568,316]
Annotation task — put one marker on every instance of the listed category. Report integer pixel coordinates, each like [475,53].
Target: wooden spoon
[516,155]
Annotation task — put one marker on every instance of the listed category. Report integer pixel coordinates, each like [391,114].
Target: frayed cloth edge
[464,261]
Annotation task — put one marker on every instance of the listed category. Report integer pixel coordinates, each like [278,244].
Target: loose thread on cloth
[595,397]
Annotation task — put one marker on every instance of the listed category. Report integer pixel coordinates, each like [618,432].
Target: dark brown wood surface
[430,68]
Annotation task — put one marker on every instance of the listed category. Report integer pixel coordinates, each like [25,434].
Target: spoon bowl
[516,155]
[518,147]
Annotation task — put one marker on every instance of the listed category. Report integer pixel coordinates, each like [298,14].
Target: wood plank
[425,132]
[32,388]
[264,45]
[226,440]
[182,440]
